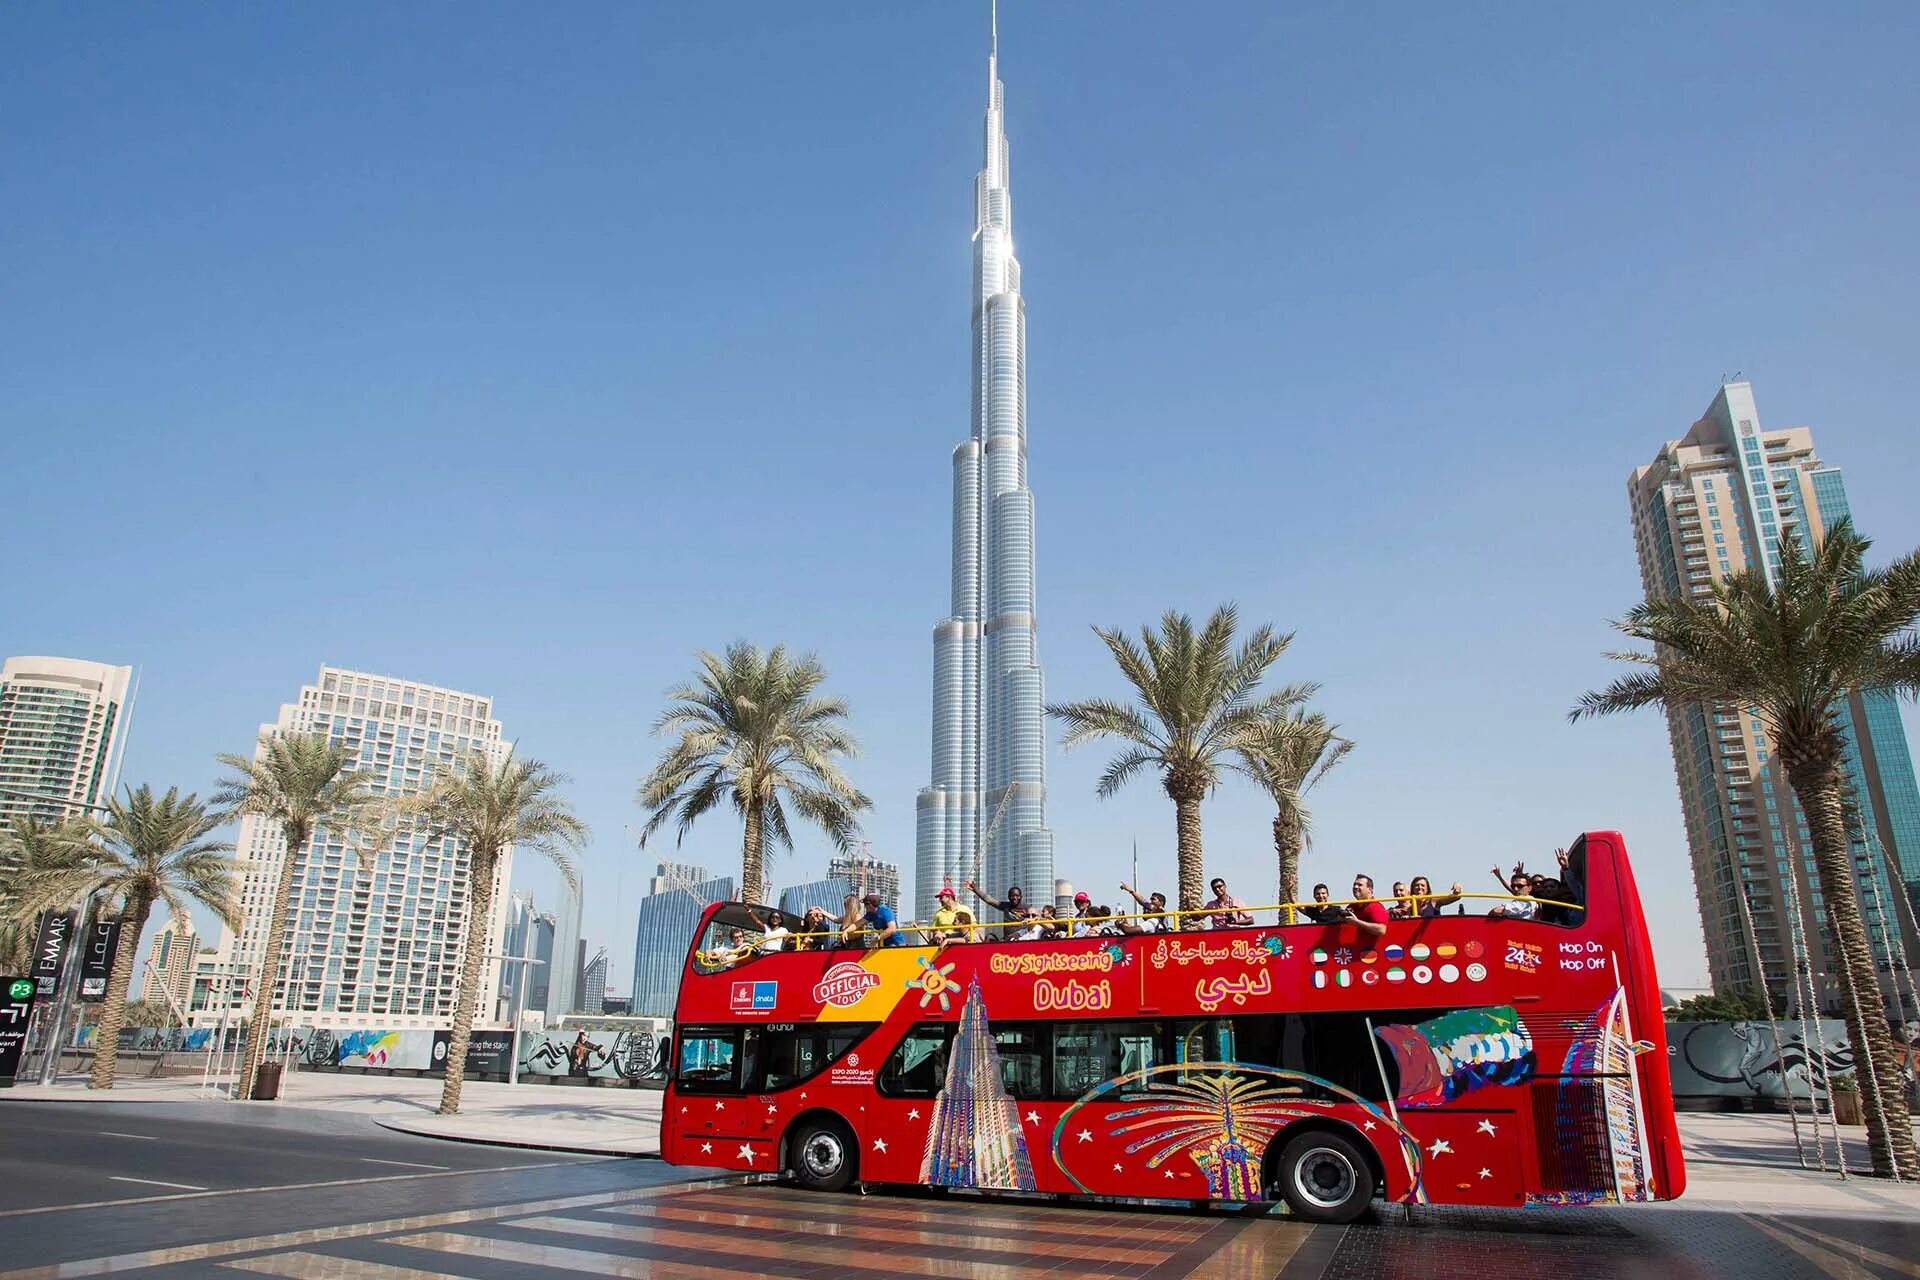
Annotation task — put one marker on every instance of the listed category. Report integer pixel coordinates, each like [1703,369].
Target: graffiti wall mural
[597,1054]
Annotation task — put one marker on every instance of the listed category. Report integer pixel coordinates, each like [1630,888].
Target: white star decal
[683,1111]
[1033,1117]
[746,1153]
[1169,1173]
[1116,1168]
[1371,1126]
[1440,1147]
[719,1106]
[1486,1173]
[880,1144]
[1486,1127]
[913,1114]
[803,1095]
[706,1148]
[1086,1135]
[772,1110]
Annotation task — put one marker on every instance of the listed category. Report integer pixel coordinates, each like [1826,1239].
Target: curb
[519,1146]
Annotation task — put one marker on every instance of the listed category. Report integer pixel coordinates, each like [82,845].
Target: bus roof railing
[996,930]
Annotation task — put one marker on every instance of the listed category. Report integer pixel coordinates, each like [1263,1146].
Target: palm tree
[1199,699]
[491,806]
[1287,754]
[149,849]
[27,844]
[1793,653]
[754,733]
[300,783]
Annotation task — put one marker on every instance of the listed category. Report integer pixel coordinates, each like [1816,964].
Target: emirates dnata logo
[844,984]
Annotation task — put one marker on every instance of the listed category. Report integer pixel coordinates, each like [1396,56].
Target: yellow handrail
[720,956]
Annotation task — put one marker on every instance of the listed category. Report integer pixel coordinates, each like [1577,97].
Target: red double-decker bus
[1456,1059]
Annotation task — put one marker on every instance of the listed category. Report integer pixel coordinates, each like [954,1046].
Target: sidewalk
[621,1122]
[1746,1162]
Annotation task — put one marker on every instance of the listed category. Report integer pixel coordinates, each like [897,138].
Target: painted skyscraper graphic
[989,722]
[974,1138]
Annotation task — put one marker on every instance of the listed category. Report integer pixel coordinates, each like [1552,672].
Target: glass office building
[668,917]
[1711,504]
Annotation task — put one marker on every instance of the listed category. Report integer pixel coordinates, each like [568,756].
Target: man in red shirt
[1369,913]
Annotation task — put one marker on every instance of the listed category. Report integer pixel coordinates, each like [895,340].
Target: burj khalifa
[983,815]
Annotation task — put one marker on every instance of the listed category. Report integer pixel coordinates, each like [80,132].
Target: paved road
[493,1214]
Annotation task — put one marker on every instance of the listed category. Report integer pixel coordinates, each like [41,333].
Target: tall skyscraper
[664,933]
[62,733]
[1711,504]
[989,718]
[593,983]
[376,940]
[563,990]
[170,962]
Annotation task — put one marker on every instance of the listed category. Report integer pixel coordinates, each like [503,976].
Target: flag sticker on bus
[752,996]
[1319,955]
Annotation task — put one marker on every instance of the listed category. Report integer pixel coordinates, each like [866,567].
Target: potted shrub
[1846,1100]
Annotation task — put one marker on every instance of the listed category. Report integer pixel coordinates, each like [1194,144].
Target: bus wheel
[822,1158]
[1324,1178]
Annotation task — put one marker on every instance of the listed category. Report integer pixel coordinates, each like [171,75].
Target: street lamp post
[513,1009]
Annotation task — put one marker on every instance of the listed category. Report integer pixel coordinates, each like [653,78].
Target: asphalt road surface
[181,1190]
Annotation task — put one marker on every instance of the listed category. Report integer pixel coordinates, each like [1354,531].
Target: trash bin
[266,1082]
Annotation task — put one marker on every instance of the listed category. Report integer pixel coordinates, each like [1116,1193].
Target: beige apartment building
[1713,503]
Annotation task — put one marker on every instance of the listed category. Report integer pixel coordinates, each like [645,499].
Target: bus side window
[917,1067]
[709,1060]
[1205,1040]
[1022,1051]
[1086,1054]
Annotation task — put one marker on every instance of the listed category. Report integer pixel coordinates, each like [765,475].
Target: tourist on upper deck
[1398,907]
[884,926]
[1105,925]
[1557,903]
[1520,885]
[946,919]
[774,936]
[1428,906]
[1156,905]
[1053,925]
[1368,914]
[1323,911]
[1081,925]
[1013,908]
[814,934]
[1228,912]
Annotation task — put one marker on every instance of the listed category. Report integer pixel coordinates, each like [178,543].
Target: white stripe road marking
[405,1164]
[140,1137]
[155,1182]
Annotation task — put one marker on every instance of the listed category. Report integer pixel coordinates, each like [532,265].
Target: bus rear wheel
[1323,1177]
[822,1156]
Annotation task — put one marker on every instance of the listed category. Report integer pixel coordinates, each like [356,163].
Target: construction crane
[986,838]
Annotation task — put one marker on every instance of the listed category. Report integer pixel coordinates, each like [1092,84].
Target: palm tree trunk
[1819,787]
[113,1009]
[751,855]
[480,909]
[1186,822]
[267,981]
[1286,843]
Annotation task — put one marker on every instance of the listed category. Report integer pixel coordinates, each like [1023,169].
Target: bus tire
[1324,1177]
[822,1156]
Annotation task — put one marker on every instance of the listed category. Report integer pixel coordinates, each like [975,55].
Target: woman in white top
[774,934]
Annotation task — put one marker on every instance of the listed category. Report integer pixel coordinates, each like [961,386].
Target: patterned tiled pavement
[760,1231]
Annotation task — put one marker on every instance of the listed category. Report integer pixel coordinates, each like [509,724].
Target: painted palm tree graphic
[1221,1116]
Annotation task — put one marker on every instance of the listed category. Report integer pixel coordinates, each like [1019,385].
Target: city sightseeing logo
[845,984]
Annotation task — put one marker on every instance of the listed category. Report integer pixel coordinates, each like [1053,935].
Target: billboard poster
[1742,1060]
[16,1002]
[488,1052]
[50,952]
[96,960]
[625,1054]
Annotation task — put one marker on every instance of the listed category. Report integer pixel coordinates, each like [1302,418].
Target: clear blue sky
[529,351]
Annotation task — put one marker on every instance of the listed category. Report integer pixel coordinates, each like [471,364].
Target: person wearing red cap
[1082,915]
[946,919]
